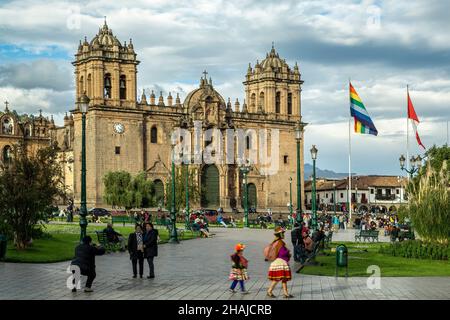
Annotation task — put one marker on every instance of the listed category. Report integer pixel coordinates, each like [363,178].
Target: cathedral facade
[134,134]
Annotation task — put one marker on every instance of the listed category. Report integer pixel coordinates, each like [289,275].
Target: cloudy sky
[381,45]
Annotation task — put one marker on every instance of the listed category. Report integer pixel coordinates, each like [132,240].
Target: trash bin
[342,258]
[2,246]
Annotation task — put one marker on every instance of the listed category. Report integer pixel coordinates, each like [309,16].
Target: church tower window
[154,135]
[289,103]
[123,87]
[7,126]
[261,100]
[278,102]
[107,85]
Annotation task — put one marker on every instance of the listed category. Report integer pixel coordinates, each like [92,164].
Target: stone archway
[210,187]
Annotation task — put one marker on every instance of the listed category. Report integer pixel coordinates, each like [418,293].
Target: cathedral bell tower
[272,87]
[106,70]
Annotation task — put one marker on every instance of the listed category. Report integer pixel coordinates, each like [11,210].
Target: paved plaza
[198,269]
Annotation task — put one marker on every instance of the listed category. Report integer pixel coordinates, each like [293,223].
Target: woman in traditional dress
[279,269]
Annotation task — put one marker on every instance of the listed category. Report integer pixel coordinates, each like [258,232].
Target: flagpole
[407,131]
[349,196]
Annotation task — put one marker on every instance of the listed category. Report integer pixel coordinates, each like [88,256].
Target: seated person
[114,237]
[232,222]
[318,236]
[308,242]
[220,221]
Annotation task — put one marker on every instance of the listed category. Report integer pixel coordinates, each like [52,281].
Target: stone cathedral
[128,133]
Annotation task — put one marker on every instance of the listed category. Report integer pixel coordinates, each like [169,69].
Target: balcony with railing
[385,197]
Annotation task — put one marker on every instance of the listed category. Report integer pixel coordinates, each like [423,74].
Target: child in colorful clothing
[279,269]
[239,269]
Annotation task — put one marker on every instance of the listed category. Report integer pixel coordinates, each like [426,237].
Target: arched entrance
[252,195]
[210,187]
[159,192]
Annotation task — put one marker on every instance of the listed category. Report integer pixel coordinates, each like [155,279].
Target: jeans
[151,266]
[235,282]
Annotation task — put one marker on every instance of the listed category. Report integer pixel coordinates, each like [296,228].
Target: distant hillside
[328,174]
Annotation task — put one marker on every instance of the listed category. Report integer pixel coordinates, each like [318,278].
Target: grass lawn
[64,238]
[363,255]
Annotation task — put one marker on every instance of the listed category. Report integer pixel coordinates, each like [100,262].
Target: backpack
[270,252]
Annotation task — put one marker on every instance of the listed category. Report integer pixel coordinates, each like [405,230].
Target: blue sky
[381,45]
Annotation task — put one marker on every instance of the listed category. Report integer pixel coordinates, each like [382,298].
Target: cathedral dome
[105,38]
[273,61]
[205,92]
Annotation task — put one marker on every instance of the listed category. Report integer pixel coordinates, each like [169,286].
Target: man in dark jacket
[297,241]
[85,259]
[113,236]
[150,247]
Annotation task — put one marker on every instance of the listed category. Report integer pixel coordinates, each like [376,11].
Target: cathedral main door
[210,187]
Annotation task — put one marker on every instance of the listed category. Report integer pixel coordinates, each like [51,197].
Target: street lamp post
[186,218]
[334,196]
[415,162]
[298,138]
[173,233]
[290,196]
[314,208]
[83,106]
[245,169]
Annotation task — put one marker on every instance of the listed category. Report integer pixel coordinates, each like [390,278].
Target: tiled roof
[362,182]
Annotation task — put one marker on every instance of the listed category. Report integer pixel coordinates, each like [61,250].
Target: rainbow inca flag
[363,123]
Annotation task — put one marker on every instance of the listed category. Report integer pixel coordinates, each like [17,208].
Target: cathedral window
[7,154]
[261,100]
[289,103]
[117,151]
[285,159]
[253,100]
[277,102]
[123,87]
[107,86]
[81,85]
[89,85]
[154,135]
[248,142]
[7,126]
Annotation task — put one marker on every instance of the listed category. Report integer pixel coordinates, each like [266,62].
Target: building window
[89,84]
[7,126]
[289,103]
[261,100]
[253,101]
[247,141]
[326,195]
[371,191]
[117,150]
[278,102]
[7,154]
[154,135]
[397,191]
[342,195]
[81,85]
[107,86]
[123,87]
[285,158]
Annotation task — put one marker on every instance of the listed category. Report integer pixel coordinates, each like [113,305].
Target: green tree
[123,190]
[118,190]
[429,203]
[29,185]
[142,191]
[180,188]
[435,156]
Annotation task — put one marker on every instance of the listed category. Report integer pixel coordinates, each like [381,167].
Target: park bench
[122,219]
[103,241]
[407,234]
[254,223]
[366,235]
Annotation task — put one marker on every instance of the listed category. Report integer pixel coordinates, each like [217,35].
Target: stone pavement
[198,269]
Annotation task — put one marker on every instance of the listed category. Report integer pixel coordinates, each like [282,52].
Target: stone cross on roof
[6,105]
[205,73]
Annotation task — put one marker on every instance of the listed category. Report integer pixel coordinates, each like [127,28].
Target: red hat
[239,247]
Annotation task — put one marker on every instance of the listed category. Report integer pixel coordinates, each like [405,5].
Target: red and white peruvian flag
[414,120]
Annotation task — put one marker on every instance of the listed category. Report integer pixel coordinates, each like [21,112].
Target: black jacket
[133,246]
[296,237]
[151,243]
[85,257]
[111,234]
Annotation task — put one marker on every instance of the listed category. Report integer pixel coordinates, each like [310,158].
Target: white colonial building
[369,193]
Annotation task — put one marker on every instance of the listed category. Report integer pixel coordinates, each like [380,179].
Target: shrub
[416,249]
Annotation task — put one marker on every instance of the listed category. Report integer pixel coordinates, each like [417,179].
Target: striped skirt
[279,270]
[238,274]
